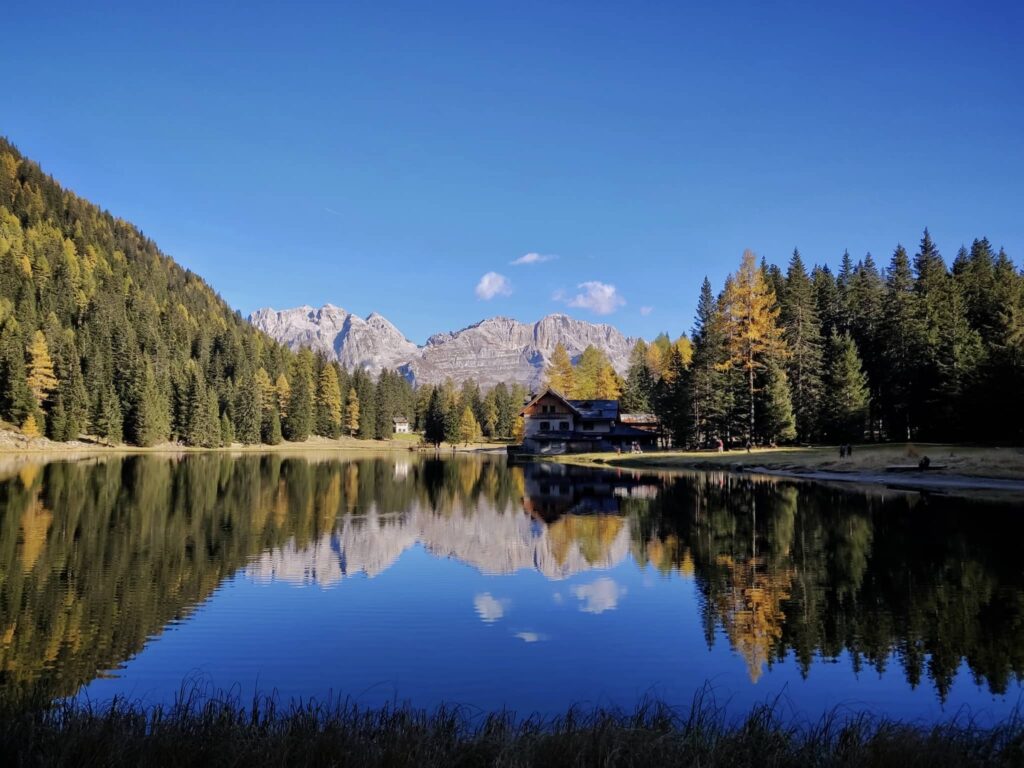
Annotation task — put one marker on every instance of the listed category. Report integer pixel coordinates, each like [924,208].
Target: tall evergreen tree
[847,393]
[638,390]
[802,332]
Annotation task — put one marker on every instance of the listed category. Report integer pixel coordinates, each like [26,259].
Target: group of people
[845,451]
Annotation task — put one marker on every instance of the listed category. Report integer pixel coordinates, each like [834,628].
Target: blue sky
[387,156]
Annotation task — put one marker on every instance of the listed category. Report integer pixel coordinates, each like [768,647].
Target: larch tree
[328,402]
[469,427]
[352,413]
[752,333]
[559,374]
[41,378]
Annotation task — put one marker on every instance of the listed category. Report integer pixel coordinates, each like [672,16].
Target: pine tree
[802,332]
[328,402]
[352,413]
[673,400]
[559,374]
[752,334]
[847,394]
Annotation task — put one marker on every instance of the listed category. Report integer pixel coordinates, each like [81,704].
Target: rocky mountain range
[491,351]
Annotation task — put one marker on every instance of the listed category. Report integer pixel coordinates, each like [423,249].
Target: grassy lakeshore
[226,732]
[13,442]
[962,460]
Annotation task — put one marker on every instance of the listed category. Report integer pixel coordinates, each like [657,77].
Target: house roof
[400,420]
[638,418]
[596,409]
[585,409]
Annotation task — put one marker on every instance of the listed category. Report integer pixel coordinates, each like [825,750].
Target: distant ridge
[493,350]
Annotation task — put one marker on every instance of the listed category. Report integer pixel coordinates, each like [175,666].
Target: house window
[564,425]
[545,426]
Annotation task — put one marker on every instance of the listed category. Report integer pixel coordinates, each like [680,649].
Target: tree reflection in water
[98,556]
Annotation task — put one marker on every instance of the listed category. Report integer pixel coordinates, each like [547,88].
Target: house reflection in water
[554,490]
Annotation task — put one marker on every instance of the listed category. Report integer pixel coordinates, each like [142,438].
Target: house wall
[531,424]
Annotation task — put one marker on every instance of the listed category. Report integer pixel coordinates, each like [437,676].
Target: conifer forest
[102,335]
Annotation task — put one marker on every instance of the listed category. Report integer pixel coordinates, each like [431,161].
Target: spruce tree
[846,388]
[271,432]
[902,336]
[802,332]
[249,410]
[776,421]
[707,368]
[298,424]
[638,390]
[434,431]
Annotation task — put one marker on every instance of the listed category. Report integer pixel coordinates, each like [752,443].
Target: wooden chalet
[553,424]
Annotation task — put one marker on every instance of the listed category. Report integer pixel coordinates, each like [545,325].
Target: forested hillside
[918,351]
[102,334]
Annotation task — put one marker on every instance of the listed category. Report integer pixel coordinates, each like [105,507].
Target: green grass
[224,731]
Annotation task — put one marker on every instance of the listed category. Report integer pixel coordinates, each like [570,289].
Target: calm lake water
[465,580]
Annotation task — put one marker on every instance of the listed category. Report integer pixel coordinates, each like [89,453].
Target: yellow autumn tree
[284,394]
[352,412]
[41,378]
[469,427]
[559,375]
[753,335]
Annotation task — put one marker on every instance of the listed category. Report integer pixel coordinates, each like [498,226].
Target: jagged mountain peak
[491,350]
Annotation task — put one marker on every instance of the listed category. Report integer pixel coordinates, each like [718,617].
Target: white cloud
[645,311]
[492,284]
[599,596]
[532,258]
[530,637]
[489,608]
[600,298]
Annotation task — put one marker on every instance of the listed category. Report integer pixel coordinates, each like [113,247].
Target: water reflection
[97,557]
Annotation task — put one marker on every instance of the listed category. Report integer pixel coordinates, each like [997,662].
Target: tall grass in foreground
[198,730]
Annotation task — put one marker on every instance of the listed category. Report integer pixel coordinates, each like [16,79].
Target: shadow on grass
[204,729]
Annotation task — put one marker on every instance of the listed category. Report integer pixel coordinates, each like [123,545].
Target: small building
[554,424]
[401,425]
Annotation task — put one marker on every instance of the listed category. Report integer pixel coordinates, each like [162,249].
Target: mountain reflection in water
[98,557]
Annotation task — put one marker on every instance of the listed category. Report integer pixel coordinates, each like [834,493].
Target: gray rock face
[494,350]
[372,343]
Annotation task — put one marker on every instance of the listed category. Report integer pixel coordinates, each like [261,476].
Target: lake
[408,578]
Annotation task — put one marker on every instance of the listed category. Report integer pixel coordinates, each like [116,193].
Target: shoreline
[970,468]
